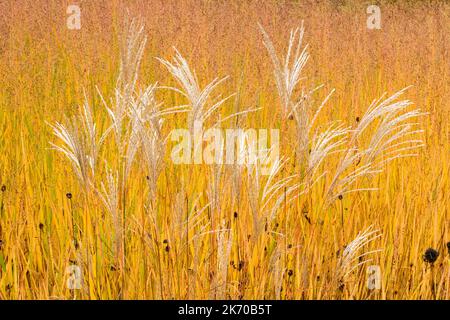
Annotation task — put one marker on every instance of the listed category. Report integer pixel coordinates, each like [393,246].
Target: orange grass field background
[46,68]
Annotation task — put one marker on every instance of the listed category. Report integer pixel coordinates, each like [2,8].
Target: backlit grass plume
[198,97]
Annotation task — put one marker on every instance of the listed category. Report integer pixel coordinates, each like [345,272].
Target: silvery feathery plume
[287,75]
[267,194]
[80,143]
[393,138]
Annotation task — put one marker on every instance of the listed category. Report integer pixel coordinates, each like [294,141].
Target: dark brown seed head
[41,226]
[340,197]
[3,188]
[69,195]
[167,248]
[165,241]
[430,255]
[235,214]
[448,247]
[357,119]
[291,117]
[289,246]
[290,273]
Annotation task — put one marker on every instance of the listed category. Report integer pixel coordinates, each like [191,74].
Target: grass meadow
[91,197]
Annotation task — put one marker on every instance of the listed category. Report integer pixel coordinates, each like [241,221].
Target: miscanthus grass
[393,134]
[205,239]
